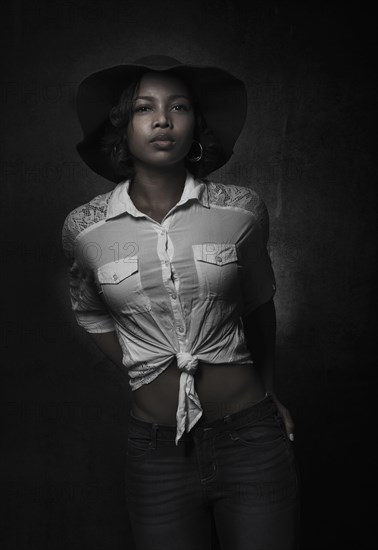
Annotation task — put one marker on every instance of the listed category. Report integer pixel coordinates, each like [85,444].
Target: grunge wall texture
[307,148]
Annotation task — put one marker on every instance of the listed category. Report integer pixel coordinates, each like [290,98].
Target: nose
[161,119]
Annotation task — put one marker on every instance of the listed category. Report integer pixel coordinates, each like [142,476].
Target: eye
[181,107]
[142,109]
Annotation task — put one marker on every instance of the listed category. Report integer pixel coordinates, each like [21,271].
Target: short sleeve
[89,310]
[257,276]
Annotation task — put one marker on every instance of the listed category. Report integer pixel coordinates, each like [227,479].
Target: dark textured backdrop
[307,148]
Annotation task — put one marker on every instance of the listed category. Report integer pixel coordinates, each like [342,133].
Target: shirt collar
[120,201]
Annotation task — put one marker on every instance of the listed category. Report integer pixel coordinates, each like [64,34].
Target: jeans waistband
[204,429]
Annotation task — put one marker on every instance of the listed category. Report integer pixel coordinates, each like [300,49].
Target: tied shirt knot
[186,362]
[189,409]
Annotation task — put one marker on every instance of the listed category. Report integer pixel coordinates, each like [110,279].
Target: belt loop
[154,430]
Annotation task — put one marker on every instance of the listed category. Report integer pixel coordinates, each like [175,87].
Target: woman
[170,275]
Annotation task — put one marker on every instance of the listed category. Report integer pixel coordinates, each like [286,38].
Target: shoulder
[235,196]
[241,199]
[83,217]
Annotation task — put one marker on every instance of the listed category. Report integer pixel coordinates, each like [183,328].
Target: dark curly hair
[114,141]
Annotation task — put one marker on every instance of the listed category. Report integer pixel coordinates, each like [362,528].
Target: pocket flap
[115,272]
[215,253]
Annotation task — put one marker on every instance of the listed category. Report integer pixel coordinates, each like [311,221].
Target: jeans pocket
[263,433]
[137,445]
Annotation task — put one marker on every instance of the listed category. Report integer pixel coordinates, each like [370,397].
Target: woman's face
[160,132]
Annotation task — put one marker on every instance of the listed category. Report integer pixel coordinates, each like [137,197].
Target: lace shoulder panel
[83,217]
[233,195]
[240,197]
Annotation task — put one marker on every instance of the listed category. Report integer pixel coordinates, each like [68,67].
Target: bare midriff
[222,389]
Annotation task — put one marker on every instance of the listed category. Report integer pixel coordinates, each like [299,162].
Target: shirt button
[181,329]
[173,296]
[218,259]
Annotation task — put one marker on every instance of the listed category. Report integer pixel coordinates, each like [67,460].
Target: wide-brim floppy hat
[222,99]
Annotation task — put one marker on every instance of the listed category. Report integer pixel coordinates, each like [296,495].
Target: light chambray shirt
[178,288]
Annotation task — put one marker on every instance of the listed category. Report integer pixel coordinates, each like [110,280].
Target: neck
[154,186]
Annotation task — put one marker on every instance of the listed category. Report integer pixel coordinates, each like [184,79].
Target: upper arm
[258,281]
[89,309]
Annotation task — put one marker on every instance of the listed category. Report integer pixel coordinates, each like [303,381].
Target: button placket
[175,300]
[171,282]
[178,317]
[162,238]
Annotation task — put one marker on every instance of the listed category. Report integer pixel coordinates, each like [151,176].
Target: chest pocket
[121,286]
[217,270]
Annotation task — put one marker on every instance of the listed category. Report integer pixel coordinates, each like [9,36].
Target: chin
[167,162]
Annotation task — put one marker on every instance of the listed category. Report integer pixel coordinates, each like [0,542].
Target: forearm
[108,343]
[260,332]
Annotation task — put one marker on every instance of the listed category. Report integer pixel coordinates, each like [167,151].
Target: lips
[162,137]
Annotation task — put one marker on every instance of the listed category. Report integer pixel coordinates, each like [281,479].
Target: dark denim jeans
[240,469]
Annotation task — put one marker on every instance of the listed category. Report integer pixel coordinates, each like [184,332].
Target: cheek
[188,131]
[135,136]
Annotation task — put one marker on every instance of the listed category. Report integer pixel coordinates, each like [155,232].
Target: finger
[289,425]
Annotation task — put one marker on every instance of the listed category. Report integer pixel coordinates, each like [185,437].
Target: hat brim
[221,96]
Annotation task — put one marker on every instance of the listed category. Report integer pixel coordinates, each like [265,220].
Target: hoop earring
[198,157]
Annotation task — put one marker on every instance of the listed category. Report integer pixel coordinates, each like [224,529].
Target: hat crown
[157,61]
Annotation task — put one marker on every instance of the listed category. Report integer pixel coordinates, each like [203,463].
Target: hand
[286,416]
